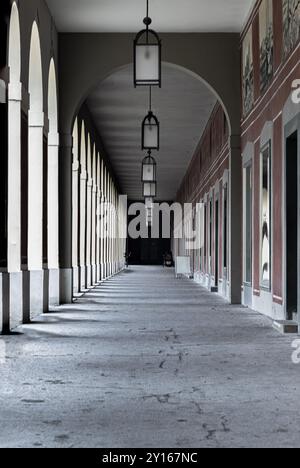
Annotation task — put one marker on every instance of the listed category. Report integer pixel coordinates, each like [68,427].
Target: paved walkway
[149,361]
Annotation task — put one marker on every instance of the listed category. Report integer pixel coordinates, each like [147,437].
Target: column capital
[75,166]
[36,119]
[14,91]
[53,139]
[83,174]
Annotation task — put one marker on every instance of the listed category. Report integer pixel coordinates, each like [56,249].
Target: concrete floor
[149,361]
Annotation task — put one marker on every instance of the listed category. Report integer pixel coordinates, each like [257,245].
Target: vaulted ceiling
[183,107]
[167,15]
[184,103]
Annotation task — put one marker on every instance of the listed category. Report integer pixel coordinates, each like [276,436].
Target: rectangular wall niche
[248,223]
[265,194]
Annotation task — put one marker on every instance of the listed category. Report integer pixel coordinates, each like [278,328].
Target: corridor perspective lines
[147,360]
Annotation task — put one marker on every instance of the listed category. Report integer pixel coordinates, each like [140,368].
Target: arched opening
[117,113]
[89,213]
[75,208]
[94,84]
[82,208]
[14,144]
[98,208]
[52,187]
[94,208]
[35,173]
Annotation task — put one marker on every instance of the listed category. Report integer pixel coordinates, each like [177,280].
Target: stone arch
[202,55]
[212,58]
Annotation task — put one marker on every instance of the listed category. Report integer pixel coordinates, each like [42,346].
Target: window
[248,223]
[265,195]
[225,229]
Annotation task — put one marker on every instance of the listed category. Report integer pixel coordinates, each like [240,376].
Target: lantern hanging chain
[150,98]
[147,21]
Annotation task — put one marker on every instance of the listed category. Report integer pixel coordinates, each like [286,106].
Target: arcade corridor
[149,223]
[146,360]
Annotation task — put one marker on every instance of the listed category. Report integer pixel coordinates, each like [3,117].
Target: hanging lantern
[149,169]
[150,132]
[149,189]
[147,56]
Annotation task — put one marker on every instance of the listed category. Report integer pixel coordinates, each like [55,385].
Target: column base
[54,287]
[15,299]
[66,285]
[89,276]
[11,301]
[76,285]
[94,275]
[33,294]
[82,279]
[98,273]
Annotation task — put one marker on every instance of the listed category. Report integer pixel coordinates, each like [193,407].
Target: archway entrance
[207,55]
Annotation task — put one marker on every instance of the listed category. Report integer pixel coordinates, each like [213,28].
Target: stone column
[35,213]
[14,302]
[235,219]
[89,216]
[53,234]
[98,201]
[82,227]
[65,219]
[75,210]
[94,220]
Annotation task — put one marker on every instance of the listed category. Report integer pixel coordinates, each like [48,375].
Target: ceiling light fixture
[147,56]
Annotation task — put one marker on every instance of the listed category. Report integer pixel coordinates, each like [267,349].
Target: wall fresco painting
[266,40]
[291,25]
[248,74]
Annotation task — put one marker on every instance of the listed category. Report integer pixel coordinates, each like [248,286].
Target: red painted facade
[268,108]
[203,183]
[206,179]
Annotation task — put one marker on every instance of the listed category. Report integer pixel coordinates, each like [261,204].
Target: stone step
[286,326]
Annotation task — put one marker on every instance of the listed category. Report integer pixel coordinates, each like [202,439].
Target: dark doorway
[210,238]
[149,251]
[217,244]
[45,202]
[225,230]
[292,225]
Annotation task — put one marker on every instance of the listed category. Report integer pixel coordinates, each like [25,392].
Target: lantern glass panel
[147,64]
[151,136]
[149,172]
